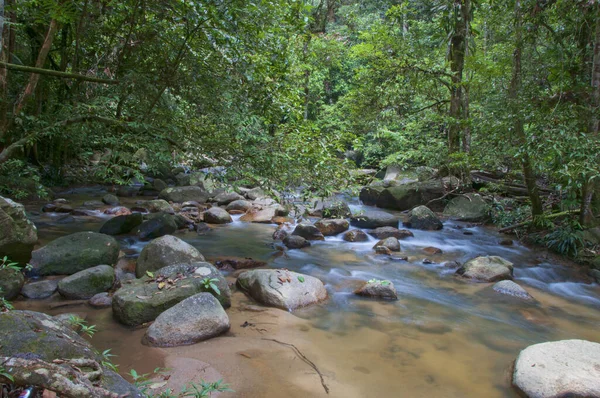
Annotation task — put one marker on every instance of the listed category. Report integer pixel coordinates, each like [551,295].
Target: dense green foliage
[278,91]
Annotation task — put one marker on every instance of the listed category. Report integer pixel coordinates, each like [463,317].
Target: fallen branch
[55,73]
[305,359]
[66,381]
[549,217]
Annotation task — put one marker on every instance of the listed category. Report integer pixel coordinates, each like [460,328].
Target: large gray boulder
[374,219]
[422,218]
[486,269]
[370,194]
[407,196]
[225,198]
[217,215]
[158,206]
[74,253]
[355,235]
[282,288]
[40,289]
[239,205]
[390,243]
[308,232]
[11,282]
[164,251]
[390,232]
[559,369]
[184,194]
[295,242]
[331,227]
[85,284]
[332,209]
[121,224]
[194,319]
[255,193]
[263,216]
[18,234]
[142,300]
[469,207]
[159,225]
[378,289]
[29,334]
[110,200]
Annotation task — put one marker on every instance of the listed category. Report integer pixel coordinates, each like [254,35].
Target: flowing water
[444,337]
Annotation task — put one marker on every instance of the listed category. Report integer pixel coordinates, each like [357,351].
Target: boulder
[374,219]
[407,196]
[93,203]
[391,243]
[183,194]
[40,290]
[101,300]
[158,206]
[197,318]
[117,211]
[332,209]
[18,234]
[308,232]
[11,282]
[42,337]
[422,218]
[295,242]
[225,198]
[370,194]
[142,300]
[378,289]
[280,234]
[85,284]
[121,224]
[355,235]
[282,288]
[57,208]
[469,207]
[255,193]
[162,224]
[158,185]
[390,232]
[486,269]
[235,263]
[110,200]
[512,289]
[239,205]
[263,216]
[217,215]
[164,251]
[566,368]
[74,253]
[331,227]
[430,250]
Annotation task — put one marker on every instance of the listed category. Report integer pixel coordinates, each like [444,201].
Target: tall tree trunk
[518,128]
[34,77]
[458,43]
[589,185]
[306,74]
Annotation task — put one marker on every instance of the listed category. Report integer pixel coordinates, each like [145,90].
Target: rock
[128,191]
[451,264]
[391,243]
[239,205]
[308,232]
[158,185]
[142,300]
[255,193]
[164,251]
[40,290]
[332,209]
[163,224]
[422,218]
[158,206]
[182,179]
[566,368]
[121,224]
[263,216]
[183,194]
[469,207]
[383,250]
[101,300]
[407,196]
[235,263]
[281,288]
[512,289]
[85,284]
[192,320]
[118,211]
[203,228]
[369,195]
[430,250]
[74,253]
[279,220]
[506,242]
[18,234]
[93,203]
[42,337]
[83,212]
[378,289]
[595,274]
[355,235]
[332,227]
[487,269]
[280,234]
[217,215]
[390,232]
[227,197]
[295,242]
[425,173]
[11,282]
[374,219]
[57,208]
[110,200]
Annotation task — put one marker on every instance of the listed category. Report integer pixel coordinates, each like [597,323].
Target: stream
[444,337]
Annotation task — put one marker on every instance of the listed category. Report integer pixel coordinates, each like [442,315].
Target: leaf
[161,285]
[156,386]
[301,278]
[215,288]
[150,274]
[143,297]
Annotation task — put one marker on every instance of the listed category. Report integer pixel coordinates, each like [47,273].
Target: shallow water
[444,337]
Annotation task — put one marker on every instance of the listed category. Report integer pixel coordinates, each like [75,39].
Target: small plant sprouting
[76,321]
[6,263]
[4,373]
[381,282]
[5,305]
[209,283]
[107,361]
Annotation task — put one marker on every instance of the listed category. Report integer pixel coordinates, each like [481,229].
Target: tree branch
[49,72]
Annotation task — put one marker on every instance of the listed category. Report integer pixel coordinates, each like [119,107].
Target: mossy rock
[85,284]
[469,207]
[121,224]
[11,282]
[18,234]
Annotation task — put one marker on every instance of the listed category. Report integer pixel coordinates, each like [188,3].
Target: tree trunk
[518,128]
